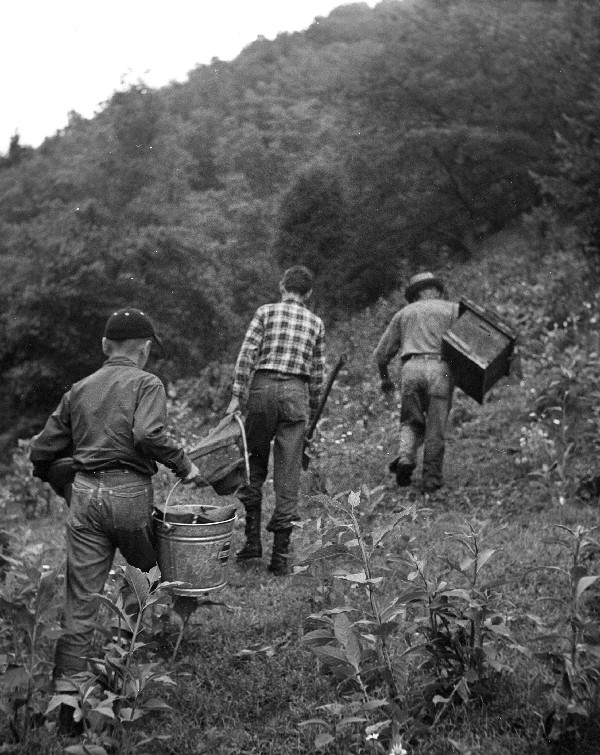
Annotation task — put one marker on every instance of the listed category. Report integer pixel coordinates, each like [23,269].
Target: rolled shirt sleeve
[317,373]
[389,343]
[54,440]
[247,358]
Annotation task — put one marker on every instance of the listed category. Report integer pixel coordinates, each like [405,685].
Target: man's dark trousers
[277,411]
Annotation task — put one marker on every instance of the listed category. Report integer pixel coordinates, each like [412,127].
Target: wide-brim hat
[420,281]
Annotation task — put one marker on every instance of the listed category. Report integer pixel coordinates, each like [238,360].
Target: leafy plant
[353,641]
[461,623]
[28,626]
[347,724]
[121,688]
[27,490]
[452,628]
[574,697]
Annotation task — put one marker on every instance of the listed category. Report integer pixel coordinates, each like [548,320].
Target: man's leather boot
[253,546]
[403,472]
[280,556]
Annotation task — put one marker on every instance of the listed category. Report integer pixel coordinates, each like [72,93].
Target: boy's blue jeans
[109,510]
[277,410]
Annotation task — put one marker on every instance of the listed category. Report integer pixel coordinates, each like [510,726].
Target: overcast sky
[62,55]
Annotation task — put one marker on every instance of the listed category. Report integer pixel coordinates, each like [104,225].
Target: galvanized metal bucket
[195,552]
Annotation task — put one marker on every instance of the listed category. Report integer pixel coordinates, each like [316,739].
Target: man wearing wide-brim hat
[415,333]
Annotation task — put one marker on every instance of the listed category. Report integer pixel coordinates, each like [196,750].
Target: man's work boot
[403,472]
[253,546]
[280,555]
[431,486]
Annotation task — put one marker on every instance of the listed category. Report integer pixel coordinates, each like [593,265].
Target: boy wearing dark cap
[113,423]
[278,382]
[415,332]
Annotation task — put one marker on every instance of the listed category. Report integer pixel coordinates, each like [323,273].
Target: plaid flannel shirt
[286,337]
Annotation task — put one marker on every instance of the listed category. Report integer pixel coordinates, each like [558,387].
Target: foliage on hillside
[376,141]
[433,647]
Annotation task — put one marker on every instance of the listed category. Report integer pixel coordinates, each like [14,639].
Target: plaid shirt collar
[290,296]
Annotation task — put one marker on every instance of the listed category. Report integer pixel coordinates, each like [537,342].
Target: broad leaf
[45,598]
[138,581]
[329,654]
[156,703]
[322,740]
[359,578]
[349,720]
[332,550]
[117,610]
[583,585]
[458,593]
[313,722]
[347,638]
[374,704]
[128,714]
[57,700]
[105,710]
[316,635]
[382,532]
[484,557]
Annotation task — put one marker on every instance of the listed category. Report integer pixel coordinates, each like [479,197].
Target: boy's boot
[280,556]
[253,546]
[67,726]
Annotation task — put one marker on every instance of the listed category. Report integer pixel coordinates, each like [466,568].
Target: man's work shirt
[416,329]
[113,419]
[284,337]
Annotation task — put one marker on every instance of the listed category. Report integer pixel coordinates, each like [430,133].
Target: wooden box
[478,348]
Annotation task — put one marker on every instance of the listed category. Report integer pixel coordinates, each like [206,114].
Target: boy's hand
[192,476]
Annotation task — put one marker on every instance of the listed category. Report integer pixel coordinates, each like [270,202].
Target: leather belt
[432,357]
[276,375]
[110,470]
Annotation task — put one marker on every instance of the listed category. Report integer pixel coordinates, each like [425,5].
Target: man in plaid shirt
[279,377]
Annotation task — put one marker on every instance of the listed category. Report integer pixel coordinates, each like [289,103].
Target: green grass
[246,681]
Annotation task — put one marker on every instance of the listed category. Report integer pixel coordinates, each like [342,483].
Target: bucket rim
[157,512]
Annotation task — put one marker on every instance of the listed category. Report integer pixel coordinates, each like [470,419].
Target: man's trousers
[426,398]
[277,411]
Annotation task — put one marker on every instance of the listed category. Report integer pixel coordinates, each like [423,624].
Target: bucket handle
[238,418]
[167,526]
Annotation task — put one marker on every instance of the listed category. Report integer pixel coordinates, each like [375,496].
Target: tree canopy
[378,140]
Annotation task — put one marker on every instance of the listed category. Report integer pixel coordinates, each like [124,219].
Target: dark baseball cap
[129,323]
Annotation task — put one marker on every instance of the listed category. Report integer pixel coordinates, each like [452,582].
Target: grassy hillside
[513,667]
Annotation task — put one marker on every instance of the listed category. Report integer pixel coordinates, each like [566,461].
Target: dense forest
[374,143]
